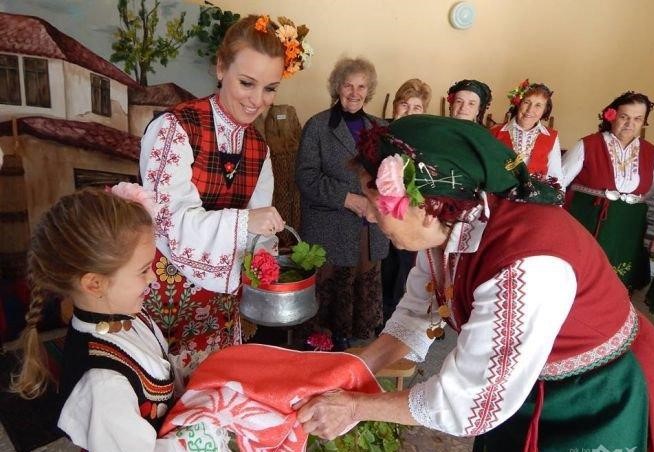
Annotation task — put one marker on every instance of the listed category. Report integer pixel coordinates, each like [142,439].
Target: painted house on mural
[146,102]
[63,124]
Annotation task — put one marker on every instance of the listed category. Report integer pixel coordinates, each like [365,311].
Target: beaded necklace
[441,302]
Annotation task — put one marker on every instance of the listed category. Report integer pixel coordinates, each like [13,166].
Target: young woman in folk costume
[608,174]
[117,383]
[550,355]
[537,144]
[212,175]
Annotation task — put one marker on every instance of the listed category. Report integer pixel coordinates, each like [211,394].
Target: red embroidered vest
[196,118]
[516,231]
[540,154]
[597,172]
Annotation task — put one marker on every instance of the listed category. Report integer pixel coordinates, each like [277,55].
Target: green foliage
[212,25]
[308,257]
[291,275]
[372,436]
[410,182]
[137,44]
[369,436]
[247,268]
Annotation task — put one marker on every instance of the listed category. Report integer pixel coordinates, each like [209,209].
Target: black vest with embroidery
[83,352]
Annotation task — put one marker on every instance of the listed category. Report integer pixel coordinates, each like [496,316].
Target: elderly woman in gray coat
[334,209]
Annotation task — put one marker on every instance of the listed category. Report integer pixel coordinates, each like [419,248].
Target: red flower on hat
[450,98]
[516,100]
[610,114]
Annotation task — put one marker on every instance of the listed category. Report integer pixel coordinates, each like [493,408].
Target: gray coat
[324,179]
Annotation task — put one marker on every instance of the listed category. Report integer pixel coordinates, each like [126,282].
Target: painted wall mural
[93,23]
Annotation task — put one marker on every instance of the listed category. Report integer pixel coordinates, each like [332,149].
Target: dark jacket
[324,178]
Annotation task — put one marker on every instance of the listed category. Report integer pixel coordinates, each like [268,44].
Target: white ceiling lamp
[462,15]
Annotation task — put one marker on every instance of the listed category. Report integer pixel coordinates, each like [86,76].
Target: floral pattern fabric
[237,389]
[194,321]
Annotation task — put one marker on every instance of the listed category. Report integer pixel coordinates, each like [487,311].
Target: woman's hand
[327,415]
[357,204]
[265,221]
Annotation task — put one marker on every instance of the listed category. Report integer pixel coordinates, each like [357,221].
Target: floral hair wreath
[297,51]
[516,95]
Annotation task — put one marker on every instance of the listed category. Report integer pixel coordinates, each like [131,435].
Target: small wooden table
[400,369]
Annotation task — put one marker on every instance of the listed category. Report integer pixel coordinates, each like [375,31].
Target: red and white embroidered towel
[249,389]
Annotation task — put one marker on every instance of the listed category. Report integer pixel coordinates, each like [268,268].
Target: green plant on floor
[368,436]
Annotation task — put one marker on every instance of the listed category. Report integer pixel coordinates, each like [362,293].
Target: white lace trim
[418,407]
[419,347]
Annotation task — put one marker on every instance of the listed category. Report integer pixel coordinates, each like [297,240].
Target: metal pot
[280,304]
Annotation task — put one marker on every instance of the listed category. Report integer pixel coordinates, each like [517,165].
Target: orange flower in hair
[297,51]
[292,50]
[262,24]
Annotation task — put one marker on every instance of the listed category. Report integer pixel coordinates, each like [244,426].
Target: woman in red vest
[550,355]
[609,173]
[212,175]
[537,145]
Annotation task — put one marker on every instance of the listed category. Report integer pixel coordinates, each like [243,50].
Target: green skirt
[621,235]
[605,407]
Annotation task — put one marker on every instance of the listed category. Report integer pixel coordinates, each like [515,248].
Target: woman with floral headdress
[551,355]
[469,100]
[536,144]
[334,210]
[608,174]
[212,175]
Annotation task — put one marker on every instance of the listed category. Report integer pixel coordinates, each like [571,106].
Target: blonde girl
[96,248]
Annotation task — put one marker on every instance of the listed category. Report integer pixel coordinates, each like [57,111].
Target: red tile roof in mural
[163,95]
[31,35]
[85,135]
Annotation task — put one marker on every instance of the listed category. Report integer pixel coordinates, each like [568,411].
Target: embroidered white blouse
[102,411]
[500,351]
[206,246]
[624,159]
[523,144]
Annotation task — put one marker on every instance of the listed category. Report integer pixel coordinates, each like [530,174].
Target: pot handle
[287,227]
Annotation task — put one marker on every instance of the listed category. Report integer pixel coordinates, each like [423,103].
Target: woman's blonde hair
[243,34]
[413,88]
[90,231]
[346,67]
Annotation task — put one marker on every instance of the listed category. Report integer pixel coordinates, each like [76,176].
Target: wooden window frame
[95,178]
[100,95]
[10,80]
[37,82]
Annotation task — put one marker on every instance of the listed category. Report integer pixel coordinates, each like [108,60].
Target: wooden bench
[399,370]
